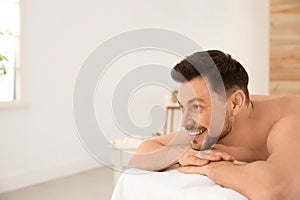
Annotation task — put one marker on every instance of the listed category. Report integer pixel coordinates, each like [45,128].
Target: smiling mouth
[195,134]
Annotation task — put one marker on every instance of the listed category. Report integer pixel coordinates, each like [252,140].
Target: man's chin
[196,145]
[204,143]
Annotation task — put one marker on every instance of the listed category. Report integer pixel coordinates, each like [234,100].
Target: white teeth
[193,133]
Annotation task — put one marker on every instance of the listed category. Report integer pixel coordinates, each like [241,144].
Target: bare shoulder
[286,105]
[283,140]
[285,112]
[284,145]
[285,134]
[259,97]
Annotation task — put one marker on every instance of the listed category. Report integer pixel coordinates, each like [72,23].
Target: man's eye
[197,107]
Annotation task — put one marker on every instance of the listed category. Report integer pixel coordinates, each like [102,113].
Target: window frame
[20,100]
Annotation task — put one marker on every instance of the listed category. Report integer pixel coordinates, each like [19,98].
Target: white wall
[39,142]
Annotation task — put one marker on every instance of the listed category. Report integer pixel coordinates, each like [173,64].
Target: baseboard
[16,182]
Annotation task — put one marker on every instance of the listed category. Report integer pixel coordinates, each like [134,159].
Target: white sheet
[139,184]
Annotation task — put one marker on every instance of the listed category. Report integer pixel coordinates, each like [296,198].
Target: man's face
[196,104]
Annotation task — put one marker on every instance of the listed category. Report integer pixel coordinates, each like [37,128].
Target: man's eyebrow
[194,99]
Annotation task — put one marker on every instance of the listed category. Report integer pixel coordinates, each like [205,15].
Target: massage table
[169,185]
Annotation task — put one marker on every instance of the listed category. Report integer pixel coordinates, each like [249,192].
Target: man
[261,131]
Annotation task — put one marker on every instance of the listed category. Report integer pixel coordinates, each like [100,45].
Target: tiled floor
[95,184]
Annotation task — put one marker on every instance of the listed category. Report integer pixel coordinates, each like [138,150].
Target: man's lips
[195,134]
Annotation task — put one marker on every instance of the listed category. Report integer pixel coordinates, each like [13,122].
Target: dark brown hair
[212,64]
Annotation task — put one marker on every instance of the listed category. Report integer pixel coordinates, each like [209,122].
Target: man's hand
[200,158]
[206,170]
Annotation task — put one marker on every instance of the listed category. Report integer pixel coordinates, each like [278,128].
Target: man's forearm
[155,157]
[254,180]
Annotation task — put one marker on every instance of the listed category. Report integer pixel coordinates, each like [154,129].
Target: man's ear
[237,101]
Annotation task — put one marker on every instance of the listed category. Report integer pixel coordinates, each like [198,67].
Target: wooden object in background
[285,47]
[170,108]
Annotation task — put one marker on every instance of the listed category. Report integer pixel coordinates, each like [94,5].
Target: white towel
[171,184]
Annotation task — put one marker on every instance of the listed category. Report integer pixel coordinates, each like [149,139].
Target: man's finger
[209,156]
[200,162]
[229,158]
[193,160]
[224,155]
[214,155]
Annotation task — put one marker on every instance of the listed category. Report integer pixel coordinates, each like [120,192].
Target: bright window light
[9,40]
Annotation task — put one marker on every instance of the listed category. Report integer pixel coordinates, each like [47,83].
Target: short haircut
[212,64]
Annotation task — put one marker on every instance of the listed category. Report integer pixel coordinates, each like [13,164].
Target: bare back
[250,138]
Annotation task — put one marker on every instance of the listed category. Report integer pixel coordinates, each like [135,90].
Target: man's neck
[247,112]
[242,121]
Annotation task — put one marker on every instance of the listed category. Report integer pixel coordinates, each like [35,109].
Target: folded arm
[161,152]
[254,180]
[276,178]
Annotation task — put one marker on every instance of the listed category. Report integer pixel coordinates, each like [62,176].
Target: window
[9,42]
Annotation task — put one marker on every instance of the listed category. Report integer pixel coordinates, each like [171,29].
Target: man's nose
[186,120]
